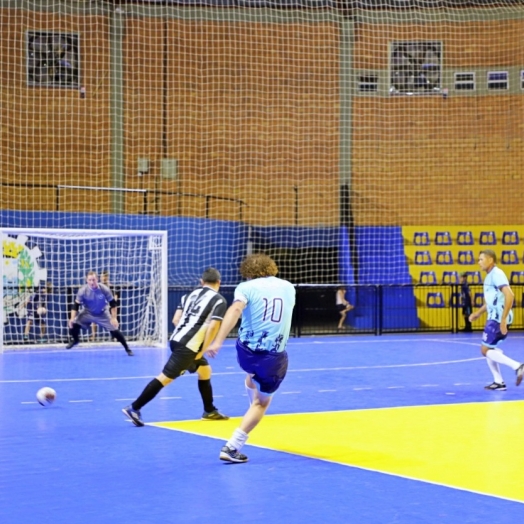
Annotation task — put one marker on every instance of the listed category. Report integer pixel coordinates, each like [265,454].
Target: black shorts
[182,359]
[341,307]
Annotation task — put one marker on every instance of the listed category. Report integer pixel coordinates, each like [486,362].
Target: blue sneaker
[134,416]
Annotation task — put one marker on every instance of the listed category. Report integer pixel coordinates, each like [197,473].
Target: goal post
[42,270]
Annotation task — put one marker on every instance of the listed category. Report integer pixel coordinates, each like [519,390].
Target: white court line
[327,390]
[291,392]
[170,398]
[31,402]
[305,370]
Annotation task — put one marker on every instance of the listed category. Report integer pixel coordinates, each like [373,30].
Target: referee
[202,313]
[95,300]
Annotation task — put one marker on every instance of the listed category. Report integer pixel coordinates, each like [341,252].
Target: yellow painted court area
[477,447]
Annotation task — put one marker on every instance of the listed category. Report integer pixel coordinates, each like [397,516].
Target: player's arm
[480,311]
[508,304]
[211,333]
[177,316]
[231,317]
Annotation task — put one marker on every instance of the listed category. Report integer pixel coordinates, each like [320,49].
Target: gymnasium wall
[260,107]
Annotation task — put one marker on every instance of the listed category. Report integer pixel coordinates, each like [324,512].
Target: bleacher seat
[444,258]
[435,300]
[510,238]
[455,300]
[478,300]
[509,257]
[423,258]
[487,238]
[442,238]
[465,257]
[427,278]
[465,238]
[473,277]
[450,277]
[421,238]
[516,277]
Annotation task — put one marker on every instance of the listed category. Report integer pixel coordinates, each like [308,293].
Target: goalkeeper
[98,307]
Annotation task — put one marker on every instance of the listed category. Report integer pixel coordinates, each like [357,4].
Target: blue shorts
[268,369]
[492,335]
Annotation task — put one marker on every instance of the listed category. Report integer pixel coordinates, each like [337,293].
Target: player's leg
[490,338]
[202,367]
[266,372]
[94,328]
[180,359]
[43,329]
[119,337]
[27,329]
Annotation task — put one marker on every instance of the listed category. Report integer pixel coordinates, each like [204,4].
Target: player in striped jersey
[265,304]
[197,323]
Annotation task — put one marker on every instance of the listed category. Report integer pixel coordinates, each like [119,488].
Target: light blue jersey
[493,296]
[266,319]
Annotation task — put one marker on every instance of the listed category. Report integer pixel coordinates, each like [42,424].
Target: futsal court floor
[391,429]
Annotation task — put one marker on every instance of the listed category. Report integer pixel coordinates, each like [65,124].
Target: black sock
[75,331]
[117,334]
[149,393]
[206,392]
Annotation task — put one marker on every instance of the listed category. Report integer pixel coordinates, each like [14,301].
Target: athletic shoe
[43,340]
[71,344]
[214,415]
[495,386]
[520,374]
[129,353]
[134,416]
[232,455]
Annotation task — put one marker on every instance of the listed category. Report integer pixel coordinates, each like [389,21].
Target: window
[498,80]
[465,82]
[368,83]
[415,67]
[52,59]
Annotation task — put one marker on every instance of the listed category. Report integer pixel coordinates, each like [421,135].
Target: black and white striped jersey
[198,309]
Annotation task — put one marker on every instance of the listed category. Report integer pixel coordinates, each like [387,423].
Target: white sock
[498,356]
[250,393]
[237,440]
[495,371]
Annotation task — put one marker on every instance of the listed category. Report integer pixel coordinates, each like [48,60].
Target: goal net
[326,133]
[42,270]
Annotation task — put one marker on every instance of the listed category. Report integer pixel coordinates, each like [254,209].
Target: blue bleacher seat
[427,277]
[465,238]
[465,257]
[444,258]
[442,238]
[473,277]
[478,300]
[455,300]
[450,277]
[487,238]
[435,300]
[509,257]
[516,277]
[510,238]
[422,258]
[421,238]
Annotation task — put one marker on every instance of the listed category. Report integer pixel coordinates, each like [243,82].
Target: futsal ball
[46,396]
[41,311]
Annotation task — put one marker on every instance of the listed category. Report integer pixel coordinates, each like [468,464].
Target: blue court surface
[391,429]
